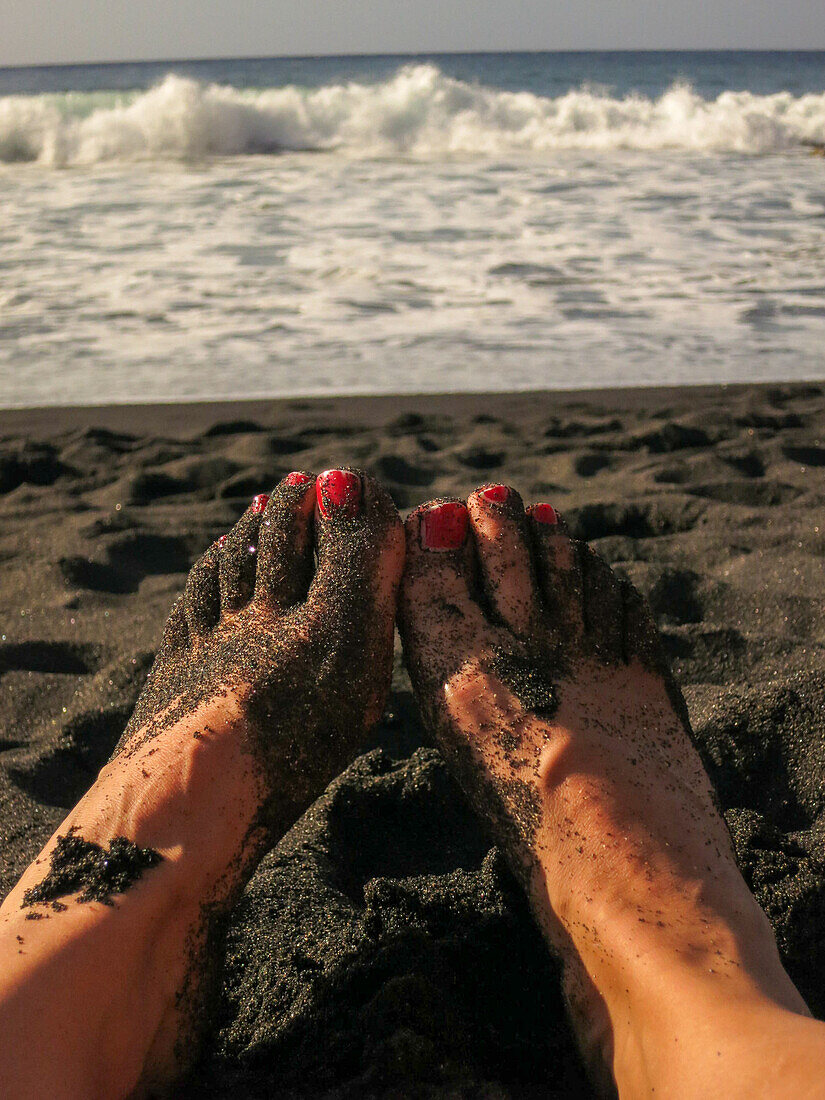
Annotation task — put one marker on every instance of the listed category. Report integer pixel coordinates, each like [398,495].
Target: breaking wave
[418,112]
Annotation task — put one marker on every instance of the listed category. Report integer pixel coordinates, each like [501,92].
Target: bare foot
[274,664]
[540,674]
[302,649]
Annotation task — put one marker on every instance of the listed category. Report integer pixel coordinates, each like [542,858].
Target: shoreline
[191,417]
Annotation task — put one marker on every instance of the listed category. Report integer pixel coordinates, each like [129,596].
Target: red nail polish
[222,542]
[496,494]
[544,513]
[297,478]
[338,493]
[444,527]
[259,503]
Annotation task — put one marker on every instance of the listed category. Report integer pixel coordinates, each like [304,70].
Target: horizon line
[405,54]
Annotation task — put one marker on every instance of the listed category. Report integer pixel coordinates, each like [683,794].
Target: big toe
[359,542]
[442,624]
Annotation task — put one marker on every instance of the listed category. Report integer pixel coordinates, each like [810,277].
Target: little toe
[238,556]
[285,547]
[176,631]
[603,606]
[202,594]
[501,540]
[558,565]
[441,624]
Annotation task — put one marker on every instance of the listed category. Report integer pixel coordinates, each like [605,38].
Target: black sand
[93,873]
[383,949]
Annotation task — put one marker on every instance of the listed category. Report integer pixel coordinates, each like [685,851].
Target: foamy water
[416,233]
[420,112]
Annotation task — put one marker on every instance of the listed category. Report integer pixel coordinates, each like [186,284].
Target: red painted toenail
[496,494]
[444,527]
[544,513]
[338,493]
[259,503]
[297,478]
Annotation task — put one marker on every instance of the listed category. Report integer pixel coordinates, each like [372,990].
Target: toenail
[338,493]
[444,527]
[495,494]
[297,478]
[544,513]
[259,503]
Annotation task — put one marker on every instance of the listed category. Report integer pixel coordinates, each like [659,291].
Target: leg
[270,672]
[539,672]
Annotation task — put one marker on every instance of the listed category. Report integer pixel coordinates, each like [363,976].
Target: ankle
[652,989]
[192,791]
[670,1005]
[749,1043]
[191,794]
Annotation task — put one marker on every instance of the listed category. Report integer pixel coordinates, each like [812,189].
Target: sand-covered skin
[293,617]
[384,940]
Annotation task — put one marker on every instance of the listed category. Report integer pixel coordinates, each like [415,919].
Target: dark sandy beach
[382,949]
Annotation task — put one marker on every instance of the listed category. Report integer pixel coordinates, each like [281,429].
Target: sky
[63,31]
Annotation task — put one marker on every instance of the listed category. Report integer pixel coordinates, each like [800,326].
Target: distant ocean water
[184,230]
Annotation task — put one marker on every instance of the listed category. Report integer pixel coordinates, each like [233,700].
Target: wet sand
[383,948]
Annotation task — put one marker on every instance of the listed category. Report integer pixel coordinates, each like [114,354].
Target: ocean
[476,222]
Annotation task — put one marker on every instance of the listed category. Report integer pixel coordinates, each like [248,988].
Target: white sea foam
[496,240]
[309,274]
[418,112]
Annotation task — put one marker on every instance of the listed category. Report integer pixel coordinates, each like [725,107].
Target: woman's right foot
[540,674]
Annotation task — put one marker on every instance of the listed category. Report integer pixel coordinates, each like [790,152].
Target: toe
[351,603]
[441,624]
[202,595]
[358,540]
[176,632]
[558,566]
[501,540]
[285,545]
[585,597]
[238,557]
[603,606]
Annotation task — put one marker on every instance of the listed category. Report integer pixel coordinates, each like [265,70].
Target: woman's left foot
[274,664]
